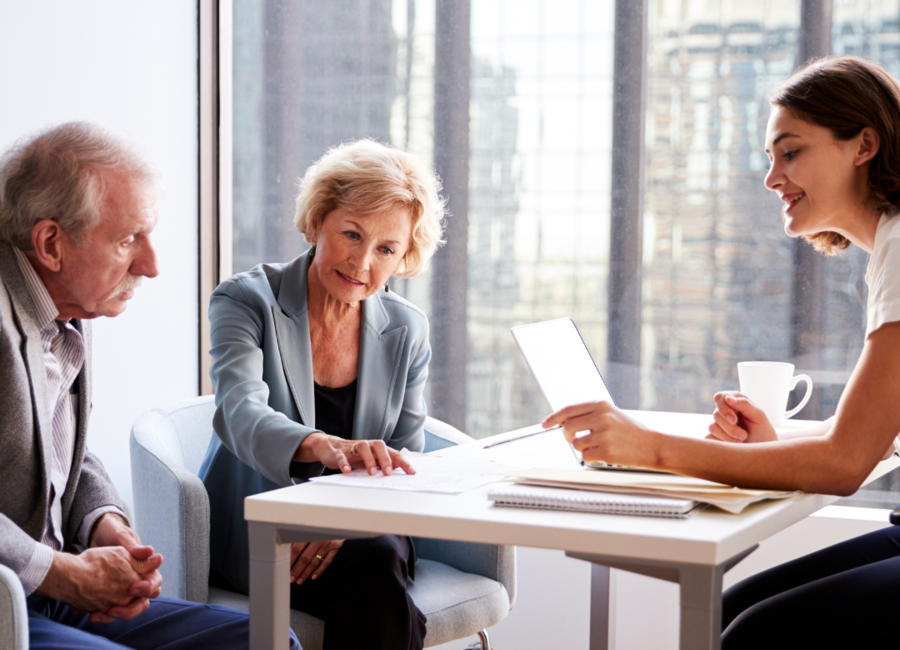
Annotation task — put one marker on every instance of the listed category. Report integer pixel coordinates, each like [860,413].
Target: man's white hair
[62,173]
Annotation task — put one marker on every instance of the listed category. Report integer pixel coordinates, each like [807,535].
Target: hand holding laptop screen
[562,366]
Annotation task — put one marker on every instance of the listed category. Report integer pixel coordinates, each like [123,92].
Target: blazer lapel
[292,330]
[84,394]
[26,316]
[379,360]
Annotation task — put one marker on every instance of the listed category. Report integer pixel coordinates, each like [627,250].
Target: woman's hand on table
[613,436]
[737,419]
[311,559]
[338,453]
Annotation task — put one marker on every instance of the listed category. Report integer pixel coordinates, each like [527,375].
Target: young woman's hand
[737,419]
[613,437]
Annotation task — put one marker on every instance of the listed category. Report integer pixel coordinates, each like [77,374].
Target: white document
[433,474]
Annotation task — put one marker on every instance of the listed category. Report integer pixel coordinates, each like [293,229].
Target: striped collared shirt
[63,353]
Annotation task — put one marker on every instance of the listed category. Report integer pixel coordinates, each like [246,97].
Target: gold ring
[319,558]
[353,450]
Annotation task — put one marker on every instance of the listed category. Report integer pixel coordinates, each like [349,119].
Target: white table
[694,553]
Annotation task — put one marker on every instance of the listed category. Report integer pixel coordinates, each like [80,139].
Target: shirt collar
[45,308]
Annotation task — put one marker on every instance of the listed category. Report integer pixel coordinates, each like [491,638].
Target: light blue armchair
[13,615]
[462,588]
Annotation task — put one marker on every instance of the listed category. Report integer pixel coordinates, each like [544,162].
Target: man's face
[99,278]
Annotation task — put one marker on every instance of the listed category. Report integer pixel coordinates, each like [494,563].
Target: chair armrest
[13,611]
[895,517]
[440,435]
[171,514]
[488,560]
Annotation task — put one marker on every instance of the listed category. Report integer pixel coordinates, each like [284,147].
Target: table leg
[602,610]
[269,588]
[701,607]
[701,596]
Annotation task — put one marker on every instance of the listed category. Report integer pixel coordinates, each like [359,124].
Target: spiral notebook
[547,498]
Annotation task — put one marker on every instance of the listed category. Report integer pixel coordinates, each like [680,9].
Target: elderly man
[77,207]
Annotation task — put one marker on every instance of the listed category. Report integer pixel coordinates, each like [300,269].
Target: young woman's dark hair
[845,95]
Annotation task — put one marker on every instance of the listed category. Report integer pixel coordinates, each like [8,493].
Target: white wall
[131,66]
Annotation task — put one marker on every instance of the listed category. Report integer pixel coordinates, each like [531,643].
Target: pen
[580,459]
[523,436]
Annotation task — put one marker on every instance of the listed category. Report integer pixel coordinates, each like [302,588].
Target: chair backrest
[171,506]
[179,433]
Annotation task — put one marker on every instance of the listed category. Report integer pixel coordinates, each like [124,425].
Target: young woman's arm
[837,462]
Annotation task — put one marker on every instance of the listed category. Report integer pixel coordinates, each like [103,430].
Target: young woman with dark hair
[833,139]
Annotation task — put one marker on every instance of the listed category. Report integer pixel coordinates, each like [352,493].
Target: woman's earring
[386,287]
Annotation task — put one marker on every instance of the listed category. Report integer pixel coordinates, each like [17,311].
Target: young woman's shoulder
[883,275]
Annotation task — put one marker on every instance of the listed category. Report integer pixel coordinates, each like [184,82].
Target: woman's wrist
[656,451]
[307,452]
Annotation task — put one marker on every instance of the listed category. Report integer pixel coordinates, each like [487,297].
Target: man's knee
[212,626]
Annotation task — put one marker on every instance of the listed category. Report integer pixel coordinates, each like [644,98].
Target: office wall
[130,66]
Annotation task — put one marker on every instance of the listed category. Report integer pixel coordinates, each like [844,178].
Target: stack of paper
[728,498]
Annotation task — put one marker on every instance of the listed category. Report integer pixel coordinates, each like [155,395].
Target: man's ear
[47,244]
[869,144]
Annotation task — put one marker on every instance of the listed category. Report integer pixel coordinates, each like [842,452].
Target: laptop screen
[561,363]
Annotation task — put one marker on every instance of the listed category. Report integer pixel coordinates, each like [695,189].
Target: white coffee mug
[768,385]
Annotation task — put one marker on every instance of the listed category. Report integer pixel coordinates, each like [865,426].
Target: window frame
[214,124]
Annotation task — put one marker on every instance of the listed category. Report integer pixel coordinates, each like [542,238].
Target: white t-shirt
[883,278]
[883,275]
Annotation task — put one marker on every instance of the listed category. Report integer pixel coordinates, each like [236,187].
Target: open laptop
[564,369]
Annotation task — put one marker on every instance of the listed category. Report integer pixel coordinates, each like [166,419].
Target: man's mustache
[131,282]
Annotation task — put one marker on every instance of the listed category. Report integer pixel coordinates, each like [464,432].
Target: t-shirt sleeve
[884,287]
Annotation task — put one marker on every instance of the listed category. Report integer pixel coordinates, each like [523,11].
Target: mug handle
[809,384]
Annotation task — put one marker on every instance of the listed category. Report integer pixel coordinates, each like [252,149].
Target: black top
[335,408]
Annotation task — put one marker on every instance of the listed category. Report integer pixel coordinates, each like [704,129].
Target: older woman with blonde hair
[317,367]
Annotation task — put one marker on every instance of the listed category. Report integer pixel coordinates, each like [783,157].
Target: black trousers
[844,596]
[362,597]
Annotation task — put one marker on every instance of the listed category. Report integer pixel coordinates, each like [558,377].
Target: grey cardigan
[263,379]
[26,431]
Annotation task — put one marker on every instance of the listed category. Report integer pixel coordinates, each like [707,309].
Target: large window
[309,75]
[513,101]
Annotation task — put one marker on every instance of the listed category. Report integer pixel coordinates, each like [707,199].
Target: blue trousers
[844,596]
[168,624]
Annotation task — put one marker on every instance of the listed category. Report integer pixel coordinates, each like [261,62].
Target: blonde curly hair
[366,177]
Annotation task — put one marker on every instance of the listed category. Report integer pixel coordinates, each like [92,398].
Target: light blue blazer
[263,379]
